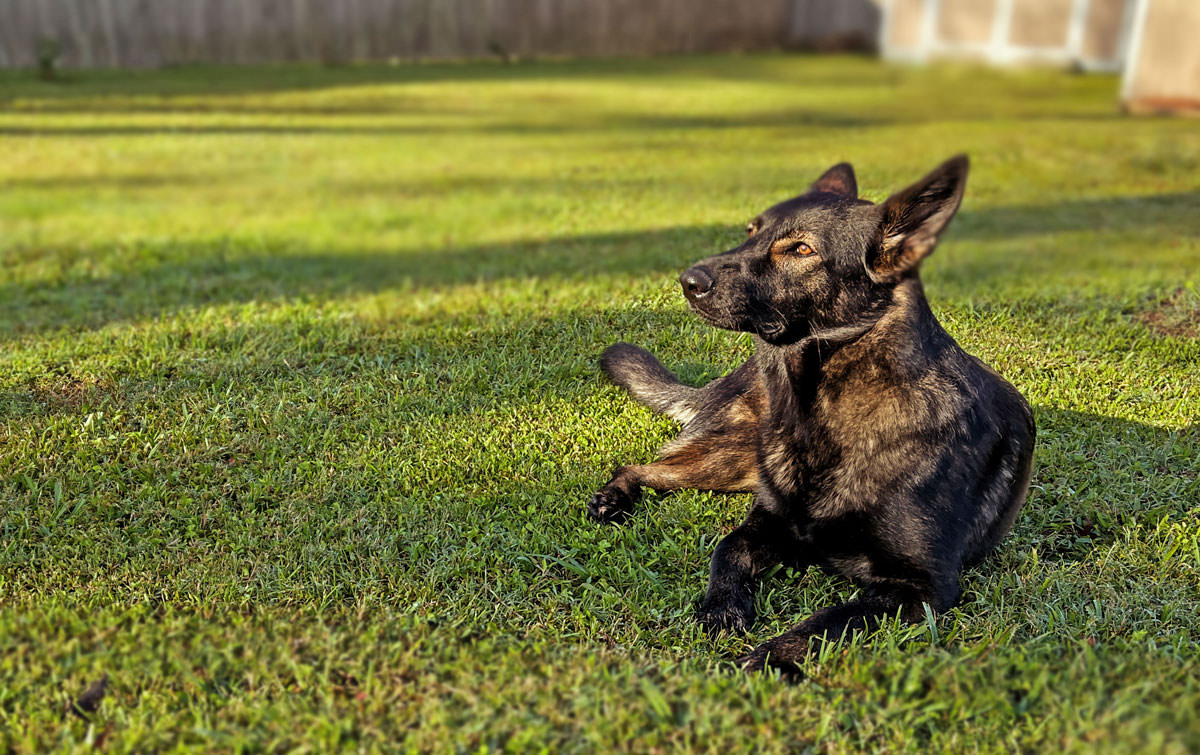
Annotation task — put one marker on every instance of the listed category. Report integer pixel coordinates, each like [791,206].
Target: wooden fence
[118,33]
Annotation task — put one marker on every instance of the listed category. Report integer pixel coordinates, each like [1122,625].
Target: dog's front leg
[759,543]
[788,650]
[723,463]
[614,502]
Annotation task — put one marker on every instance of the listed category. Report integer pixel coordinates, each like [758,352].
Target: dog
[875,445]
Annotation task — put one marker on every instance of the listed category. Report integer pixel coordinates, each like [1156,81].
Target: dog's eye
[791,247]
[750,229]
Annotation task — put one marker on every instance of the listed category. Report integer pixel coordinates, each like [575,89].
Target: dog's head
[824,259]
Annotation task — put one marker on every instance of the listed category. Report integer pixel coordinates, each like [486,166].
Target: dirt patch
[1176,315]
[68,392]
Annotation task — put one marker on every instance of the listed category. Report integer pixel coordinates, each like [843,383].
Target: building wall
[1009,31]
[1041,23]
[1164,67]
[965,22]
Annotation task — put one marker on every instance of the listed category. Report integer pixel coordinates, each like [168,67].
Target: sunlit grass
[299,406]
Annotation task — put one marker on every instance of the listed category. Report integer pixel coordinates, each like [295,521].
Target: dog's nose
[696,282]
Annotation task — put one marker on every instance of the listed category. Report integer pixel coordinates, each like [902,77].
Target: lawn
[299,407]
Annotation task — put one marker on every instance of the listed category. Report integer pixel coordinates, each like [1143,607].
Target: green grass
[299,407]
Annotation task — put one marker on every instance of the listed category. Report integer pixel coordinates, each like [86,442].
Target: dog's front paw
[610,506]
[782,654]
[729,613]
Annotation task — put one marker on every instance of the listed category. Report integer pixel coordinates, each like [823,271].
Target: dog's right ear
[837,180]
[913,218]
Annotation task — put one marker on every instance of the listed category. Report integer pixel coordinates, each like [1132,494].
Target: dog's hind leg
[637,371]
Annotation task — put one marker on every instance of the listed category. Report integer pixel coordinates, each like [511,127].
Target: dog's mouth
[705,315]
[771,330]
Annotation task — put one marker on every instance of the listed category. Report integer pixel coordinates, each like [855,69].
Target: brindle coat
[875,445]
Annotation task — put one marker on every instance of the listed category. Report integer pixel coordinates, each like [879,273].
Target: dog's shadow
[1094,476]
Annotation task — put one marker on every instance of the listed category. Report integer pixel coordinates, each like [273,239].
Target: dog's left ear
[913,218]
[837,180]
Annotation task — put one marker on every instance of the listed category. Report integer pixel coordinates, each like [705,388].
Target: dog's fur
[875,445]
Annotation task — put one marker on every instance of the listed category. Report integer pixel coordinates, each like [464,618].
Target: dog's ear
[837,180]
[913,218]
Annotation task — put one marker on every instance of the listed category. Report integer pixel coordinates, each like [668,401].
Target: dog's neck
[793,372]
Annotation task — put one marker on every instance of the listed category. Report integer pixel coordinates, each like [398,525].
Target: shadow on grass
[515,124]
[1094,475]
[470,411]
[166,278]
[161,278]
[213,91]
[1169,214]
[207,80]
[218,80]
[127,181]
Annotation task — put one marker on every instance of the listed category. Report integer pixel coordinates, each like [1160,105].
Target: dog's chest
[852,441]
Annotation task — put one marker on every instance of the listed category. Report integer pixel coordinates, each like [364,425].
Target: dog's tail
[637,371]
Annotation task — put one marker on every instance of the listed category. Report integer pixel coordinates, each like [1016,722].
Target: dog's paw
[782,654]
[610,506]
[732,614]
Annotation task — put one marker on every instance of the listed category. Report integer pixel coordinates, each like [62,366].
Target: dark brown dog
[875,445]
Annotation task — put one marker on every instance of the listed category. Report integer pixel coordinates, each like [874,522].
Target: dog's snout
[696,282]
